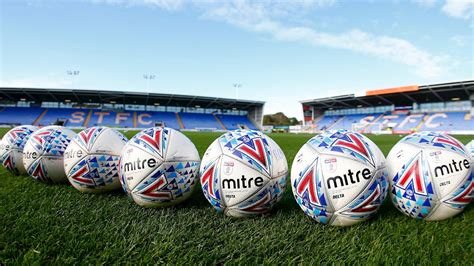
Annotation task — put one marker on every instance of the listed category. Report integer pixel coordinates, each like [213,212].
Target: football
[243,173]
[11,148]
[339,178]
[43,154]
[159,167]
[430,176]
[91,160]
[470,146]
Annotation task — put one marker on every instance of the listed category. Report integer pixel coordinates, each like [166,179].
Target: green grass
[56,224]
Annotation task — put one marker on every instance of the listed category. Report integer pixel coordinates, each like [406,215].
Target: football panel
[30,154]
[136,164]
[427,139]
[212,153]
[153,140]
[341,220]
[366,203]
[238,181]
[344,178]
[109,141]
[398,156]
[55,168]
[180,148]
[412,188]
[304,158]
[306,184]
[442,211]
[248,146]
[9,162]
[17,156]
[18,136]
[4,148]
[73,154]
[448,170]
[377,154]
[261,201]
[52,140]
[96,173]
[170,184]
[88,136]
[343,143]
[37,170]
[279,165]
[209,174]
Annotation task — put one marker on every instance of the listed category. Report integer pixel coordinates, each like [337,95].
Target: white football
[11,148]
[430,176]
[243,173]
[159,167]
[339,178]
[91,160]
[470,146]
[43,153]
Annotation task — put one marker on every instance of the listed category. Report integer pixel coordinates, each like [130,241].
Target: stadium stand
[146,119]
[232,122]
[199,121]
[447,107]
[18,116]
[449,121]
[347,121]
[326,121]
[51,115]
[81,108]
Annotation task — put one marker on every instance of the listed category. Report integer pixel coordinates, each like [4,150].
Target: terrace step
[219,122]
[180,122]
[38,119]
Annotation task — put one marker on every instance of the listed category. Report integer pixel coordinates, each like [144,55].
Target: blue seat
[148,119]
[448,121]
[74,117]
[199,121]
[232,122]
[19,115]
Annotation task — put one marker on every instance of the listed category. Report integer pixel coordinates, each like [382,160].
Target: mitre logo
[30,155]
[73,154]
[139,164]
[348,178]
[452,167]
[242,182]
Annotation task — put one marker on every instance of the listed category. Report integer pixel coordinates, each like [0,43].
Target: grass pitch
[57,224]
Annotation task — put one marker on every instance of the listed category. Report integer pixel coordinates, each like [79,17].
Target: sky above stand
[281,52]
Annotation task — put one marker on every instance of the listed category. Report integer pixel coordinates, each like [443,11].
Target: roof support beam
[384,99]
[77,97]
[435,93]
[7,95]
[29,95]
[343,103]
[52,95]
[169,100]
[364,102]
[408,97]
[192,100]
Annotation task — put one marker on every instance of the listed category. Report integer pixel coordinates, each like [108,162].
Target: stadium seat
[348,120]
[148,119]
[232,122]
[199,121]
[448,121]
[73,117]
[327,121]
[19,115]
